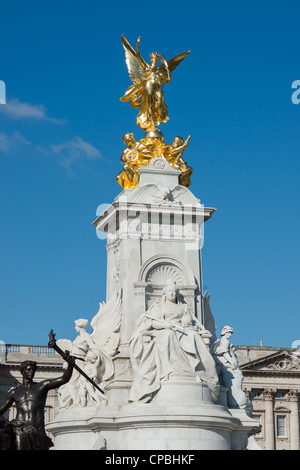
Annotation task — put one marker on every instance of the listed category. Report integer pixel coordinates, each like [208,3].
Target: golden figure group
[138,154]
[146,93]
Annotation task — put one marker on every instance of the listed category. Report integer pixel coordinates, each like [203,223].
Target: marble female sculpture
[94,353]
[169,340]
[229,373]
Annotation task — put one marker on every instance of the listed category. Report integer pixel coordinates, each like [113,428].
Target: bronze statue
[27,430]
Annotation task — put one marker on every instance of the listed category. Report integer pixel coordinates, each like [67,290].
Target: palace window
[279,394]
[258,417]
[281,425]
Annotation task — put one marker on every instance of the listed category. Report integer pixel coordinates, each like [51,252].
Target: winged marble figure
[94,353]
[106,323]
[146,92]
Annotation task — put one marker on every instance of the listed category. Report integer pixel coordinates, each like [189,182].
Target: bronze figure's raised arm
[146,93]
[27,430]
[64,354]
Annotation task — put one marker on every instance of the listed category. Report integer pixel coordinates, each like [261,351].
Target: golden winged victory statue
[146,93]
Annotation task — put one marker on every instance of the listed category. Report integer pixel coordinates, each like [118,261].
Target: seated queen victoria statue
[168,341]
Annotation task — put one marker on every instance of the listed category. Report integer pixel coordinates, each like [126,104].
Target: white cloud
[76,150]
[70,152]
[16,109]
[9,142]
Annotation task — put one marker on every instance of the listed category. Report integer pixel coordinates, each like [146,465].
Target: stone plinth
[153,426]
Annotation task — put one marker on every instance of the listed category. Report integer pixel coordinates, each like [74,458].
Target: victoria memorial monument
[168,381]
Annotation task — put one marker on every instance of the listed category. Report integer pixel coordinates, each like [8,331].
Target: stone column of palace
[294,419]
[269,420]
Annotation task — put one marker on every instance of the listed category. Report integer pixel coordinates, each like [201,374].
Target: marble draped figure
[169,340]
[78,392]
[229,373]
[94,354]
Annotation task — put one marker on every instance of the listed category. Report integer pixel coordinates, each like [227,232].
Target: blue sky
[60,145]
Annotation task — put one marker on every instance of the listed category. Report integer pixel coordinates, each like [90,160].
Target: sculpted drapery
[147,95]
[95,361]
[94,353]
[169,340]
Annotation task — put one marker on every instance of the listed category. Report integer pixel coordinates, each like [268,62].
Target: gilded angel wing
[106,323]
[172,63]
[135,64]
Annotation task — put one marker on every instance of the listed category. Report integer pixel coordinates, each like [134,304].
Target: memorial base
[154,426]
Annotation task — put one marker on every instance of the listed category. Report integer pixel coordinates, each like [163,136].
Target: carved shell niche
[162,273]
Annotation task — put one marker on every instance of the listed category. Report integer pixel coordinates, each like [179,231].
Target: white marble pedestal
[162,424]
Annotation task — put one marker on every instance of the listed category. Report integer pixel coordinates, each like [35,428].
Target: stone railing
[24,349]
[20,352]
